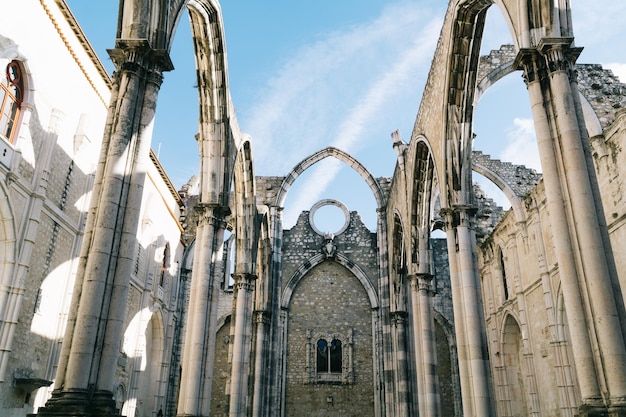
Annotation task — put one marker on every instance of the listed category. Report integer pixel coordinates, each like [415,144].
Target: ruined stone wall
[610,162]
[521,284]
[329,301]
[357,243]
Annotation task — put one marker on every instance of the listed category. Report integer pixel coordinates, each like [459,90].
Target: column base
[79,403]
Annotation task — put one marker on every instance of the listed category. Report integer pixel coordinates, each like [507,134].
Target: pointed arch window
[328,359]
[11,96]
[329,356]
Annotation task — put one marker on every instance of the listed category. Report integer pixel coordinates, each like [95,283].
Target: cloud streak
[320,87]
[346,90]
[380,93]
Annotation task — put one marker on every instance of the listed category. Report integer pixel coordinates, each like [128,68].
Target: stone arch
[516,204]
[449,383]
[312,262]
[218,136]
[246,228]
[340,155]
[466,31]
[423,195]
[264,267]
[398,268]
[534,21]
[330,301]
[512,355]
[147,390]
[491,74]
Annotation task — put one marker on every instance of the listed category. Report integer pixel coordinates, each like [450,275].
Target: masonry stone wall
[521,285]
[357,243]
[329,302]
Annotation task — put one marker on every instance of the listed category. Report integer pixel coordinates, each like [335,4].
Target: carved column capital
[262,316]
[138,56]
[459,215]
[399,317]
[244,281]
[423,283]
[559,54]
[214,215]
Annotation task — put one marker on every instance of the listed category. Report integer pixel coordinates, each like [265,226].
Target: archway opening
[330,179]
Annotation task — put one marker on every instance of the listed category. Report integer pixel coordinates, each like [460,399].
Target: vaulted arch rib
[340,155]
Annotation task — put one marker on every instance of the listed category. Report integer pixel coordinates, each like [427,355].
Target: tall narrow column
[275,358]
[534,71]
[388,384]
[262,321]
[95,328]
[244,285]
[596,273]
[403,400]
[201,329]
[469,323]
[422,293]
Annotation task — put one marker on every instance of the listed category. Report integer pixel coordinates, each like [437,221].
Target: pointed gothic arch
[512,350]
[318,259]
[343,157]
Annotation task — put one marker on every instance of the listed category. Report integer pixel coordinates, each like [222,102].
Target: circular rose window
[329,216]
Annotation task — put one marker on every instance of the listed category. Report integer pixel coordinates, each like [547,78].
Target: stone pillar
[595,269]
[240,371]
[388,383]
[94,333]
[275,358]
[468,318]
[423,324]
[403,399]
[201,326]
[262,321]
[570,198]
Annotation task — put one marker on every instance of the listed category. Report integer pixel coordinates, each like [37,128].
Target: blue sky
[307,75]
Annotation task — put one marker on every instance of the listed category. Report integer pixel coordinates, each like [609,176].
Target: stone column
[244,285]
[468,318]
[423,323]
[201,326]
[403,399]
[388,383]
[95,328]
[262,321]
[579,192]
[535,73]
[275,357]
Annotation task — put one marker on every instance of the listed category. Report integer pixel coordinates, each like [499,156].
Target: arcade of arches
[508,313]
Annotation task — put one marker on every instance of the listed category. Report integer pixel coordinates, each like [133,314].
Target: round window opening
[329,216]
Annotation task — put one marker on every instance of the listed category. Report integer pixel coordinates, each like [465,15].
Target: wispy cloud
[318,91]
[380,93]
[521,147]
[345,90]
